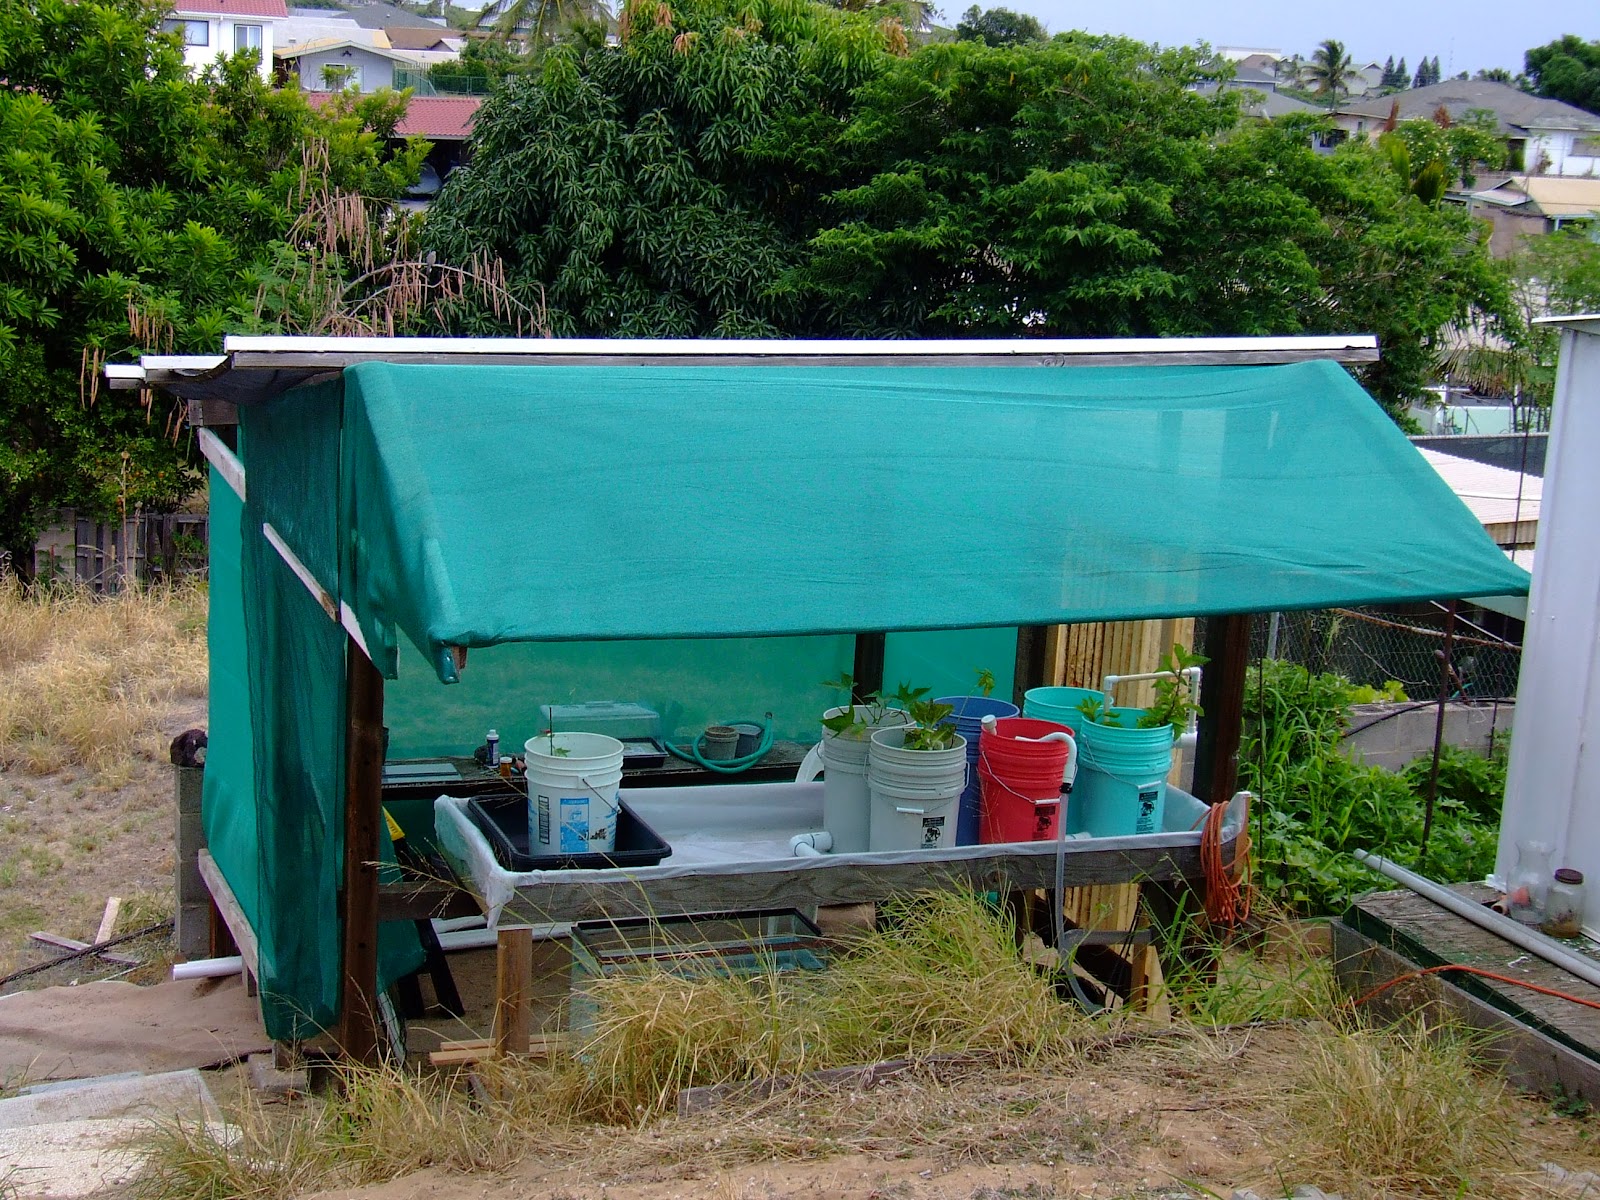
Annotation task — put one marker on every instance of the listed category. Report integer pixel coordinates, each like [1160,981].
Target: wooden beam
[224,460]
[423,899]
[1216,755]
[867,670]
[513,1019]
[231,912]
[363,817]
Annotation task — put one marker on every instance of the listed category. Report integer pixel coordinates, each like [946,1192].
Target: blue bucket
[1059,704]
[968,720]
[1122,777]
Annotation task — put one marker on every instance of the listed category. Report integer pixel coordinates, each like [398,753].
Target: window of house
[339,77]
[246,37]
[195,33]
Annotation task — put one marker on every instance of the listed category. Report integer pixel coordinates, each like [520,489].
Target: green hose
[730,766]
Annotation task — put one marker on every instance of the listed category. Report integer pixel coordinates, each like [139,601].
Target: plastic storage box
[638,728]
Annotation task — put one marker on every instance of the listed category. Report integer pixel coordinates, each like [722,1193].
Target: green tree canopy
[660,186]
[998,27]
[1330,71]
[1567,69]
[134,204]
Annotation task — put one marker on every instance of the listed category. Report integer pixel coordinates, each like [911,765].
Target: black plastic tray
[504,821]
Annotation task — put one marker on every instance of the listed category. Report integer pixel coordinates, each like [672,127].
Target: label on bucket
[544,820]
[1146,821]
[932,831]
[574,824]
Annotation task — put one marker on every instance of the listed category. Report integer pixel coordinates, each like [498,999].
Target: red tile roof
[438,118]
[234,8]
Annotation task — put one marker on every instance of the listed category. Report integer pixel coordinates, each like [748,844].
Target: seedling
[848,724]
[985,681]
[926,732]
[1173,704]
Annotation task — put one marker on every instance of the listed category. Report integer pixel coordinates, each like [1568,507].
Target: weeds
[1317,805]
[85,678]
[1402,1111]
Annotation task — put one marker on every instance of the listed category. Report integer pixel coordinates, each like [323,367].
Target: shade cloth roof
[486,504]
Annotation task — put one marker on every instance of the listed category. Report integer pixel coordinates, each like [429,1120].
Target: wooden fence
[148,547]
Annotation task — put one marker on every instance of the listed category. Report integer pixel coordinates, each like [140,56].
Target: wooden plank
[1428,935]
[1216,755]
[363,816]
[108,919]
[66,943]
[232,914]
[224,460]
[302,572]
[1530,1058]
[821,882]
[423,900]
[513,981]
[471,1050]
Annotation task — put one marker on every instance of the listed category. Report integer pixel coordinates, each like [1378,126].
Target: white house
[1546,137]
[334,65]
[213,29]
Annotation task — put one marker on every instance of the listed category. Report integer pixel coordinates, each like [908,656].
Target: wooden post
[513,980]
[1216,756]
[363,814]
[867,670]
[1032,667]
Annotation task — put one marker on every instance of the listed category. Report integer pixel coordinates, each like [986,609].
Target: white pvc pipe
[807,845]
[208,968]
[443,925]
[1518,934]
[1190,737]
[468,939]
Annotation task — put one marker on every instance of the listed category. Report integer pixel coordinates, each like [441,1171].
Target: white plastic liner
[743,830]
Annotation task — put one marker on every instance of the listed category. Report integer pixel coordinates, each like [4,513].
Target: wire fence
[1374,646]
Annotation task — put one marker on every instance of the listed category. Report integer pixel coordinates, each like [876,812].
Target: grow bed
[730,850]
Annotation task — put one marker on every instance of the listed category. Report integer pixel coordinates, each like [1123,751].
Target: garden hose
[730,766]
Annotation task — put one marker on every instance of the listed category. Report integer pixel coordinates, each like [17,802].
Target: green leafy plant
[848,723]
[1392,691]
[1174,704]
[985,681]
[926,732]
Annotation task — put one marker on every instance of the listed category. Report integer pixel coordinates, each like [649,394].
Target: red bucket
[1021,781]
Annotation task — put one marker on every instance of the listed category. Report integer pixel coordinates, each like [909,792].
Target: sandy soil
[71,839]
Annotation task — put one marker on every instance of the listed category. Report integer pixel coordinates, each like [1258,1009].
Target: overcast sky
[1466,35]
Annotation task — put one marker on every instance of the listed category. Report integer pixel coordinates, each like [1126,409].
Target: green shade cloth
[494,504]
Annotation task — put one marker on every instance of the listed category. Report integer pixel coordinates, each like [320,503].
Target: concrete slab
[67,1142]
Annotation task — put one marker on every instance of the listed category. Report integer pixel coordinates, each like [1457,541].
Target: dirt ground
[70,839]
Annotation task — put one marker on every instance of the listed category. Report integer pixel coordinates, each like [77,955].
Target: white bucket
[572,792]
[914,794]
[846,808]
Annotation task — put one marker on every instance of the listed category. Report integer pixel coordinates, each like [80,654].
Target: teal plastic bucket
[1059,704]
[1122,777]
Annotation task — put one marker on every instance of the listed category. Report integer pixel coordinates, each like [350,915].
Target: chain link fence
[1374,646]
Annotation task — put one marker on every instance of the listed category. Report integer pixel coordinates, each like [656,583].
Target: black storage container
[504,821]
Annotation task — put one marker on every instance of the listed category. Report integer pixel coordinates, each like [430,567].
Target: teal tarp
[492,504]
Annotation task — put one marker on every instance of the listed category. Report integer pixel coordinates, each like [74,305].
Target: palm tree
[537,21]
[1330,71]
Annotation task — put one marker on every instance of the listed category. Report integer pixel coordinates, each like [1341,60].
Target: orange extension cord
[1495,975]
[1227,884]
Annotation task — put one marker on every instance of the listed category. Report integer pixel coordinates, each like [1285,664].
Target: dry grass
[85,679]
[1403,1112]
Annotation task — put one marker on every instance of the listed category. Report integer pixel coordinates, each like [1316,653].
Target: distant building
[1260,102]
[446,121]
[213,29]
[1530,205]
[1545,137]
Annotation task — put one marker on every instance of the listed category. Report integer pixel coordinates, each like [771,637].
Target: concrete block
[188,783]
[265,1076]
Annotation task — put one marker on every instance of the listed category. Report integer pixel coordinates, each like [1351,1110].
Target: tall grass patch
[1402,1111]
[84,679]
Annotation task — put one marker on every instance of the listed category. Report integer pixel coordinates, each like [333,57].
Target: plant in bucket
[573,779]
[915,776]
[967,715]
[846,729]
[1127,755]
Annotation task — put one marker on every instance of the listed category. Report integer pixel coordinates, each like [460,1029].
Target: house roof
[323,45]
[437,118]
[1496,496]
[378,15]
[404,37]
[1516,110]
[270,10]
[1549,195]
